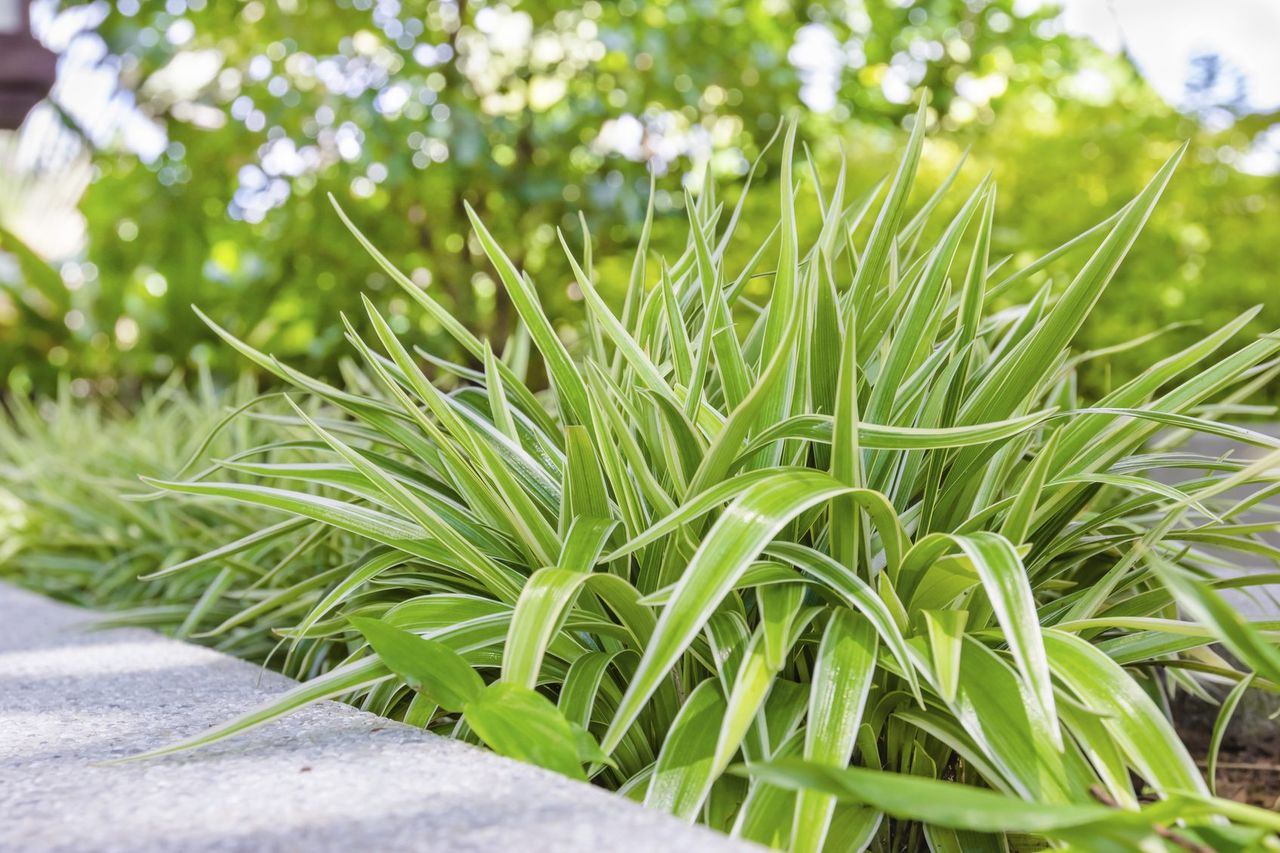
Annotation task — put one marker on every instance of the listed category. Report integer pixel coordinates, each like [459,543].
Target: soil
[1249,760]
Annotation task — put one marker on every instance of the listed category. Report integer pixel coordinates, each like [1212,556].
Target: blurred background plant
[76,524]
[185,153]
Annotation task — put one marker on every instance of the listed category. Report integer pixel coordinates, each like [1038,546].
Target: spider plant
[72,525]
[824,551]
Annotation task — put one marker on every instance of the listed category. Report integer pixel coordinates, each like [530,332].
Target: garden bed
[1248,768]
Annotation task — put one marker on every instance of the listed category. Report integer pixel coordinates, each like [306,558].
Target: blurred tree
[532,111]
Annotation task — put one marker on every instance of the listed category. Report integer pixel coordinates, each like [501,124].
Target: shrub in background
[851,566]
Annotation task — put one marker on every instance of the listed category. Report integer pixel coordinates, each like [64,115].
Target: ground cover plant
[823,551]
[73,526]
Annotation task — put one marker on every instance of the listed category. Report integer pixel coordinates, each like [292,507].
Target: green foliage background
[529,162]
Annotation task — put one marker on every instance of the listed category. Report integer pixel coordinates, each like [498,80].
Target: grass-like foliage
[823,551]
[65,464]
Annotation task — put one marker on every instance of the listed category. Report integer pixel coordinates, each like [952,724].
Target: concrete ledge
[1259,602]
[327,778]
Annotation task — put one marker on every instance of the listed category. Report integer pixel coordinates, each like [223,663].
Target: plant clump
[823,551]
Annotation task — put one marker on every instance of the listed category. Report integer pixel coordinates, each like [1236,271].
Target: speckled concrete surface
[327,778]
